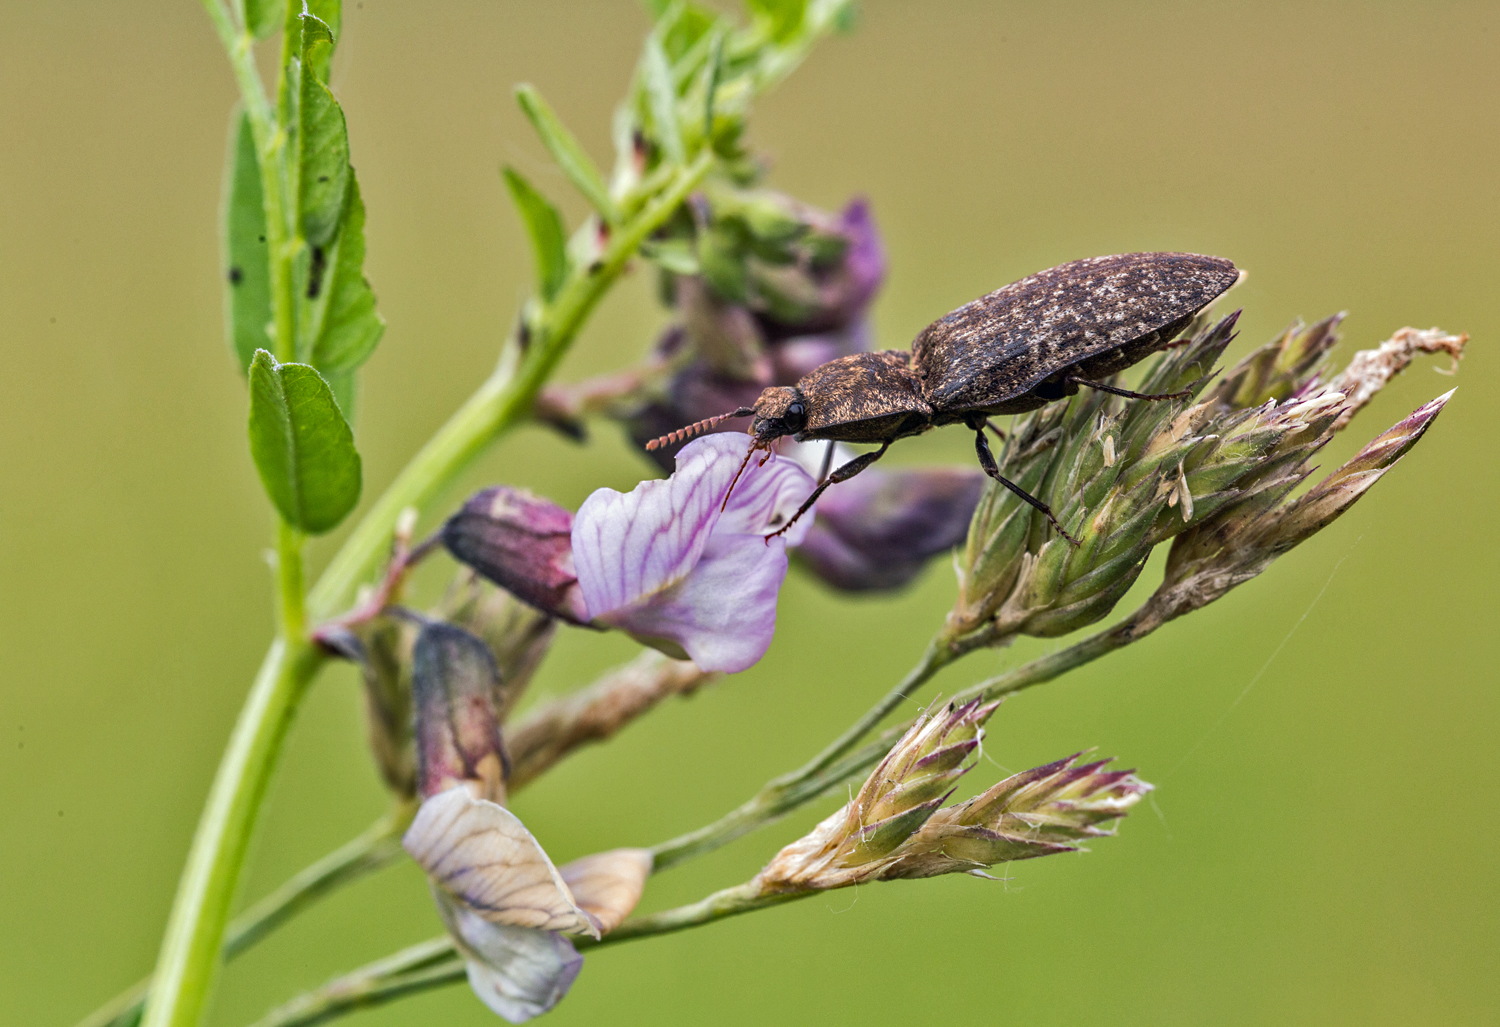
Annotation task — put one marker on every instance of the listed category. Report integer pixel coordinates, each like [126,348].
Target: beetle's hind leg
[987,461]
[844,473]
[1126,392]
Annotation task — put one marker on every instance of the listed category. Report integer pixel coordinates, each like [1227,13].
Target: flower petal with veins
[518,972]
[667,565]
[608,884]
[482,854]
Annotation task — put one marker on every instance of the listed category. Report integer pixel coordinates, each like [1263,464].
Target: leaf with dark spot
[247,299]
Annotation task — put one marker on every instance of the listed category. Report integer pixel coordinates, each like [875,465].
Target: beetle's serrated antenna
[672,438]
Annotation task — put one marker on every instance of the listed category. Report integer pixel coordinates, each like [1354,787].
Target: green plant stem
[783,794]
[428,964]
[435,963]
[190,949]
[506,397]
[377,846]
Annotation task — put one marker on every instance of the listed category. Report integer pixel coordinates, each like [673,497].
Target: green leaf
[322,140]
[782,17]
[330,13]
[544,225]
[721,258]
[345,388]
[689,24]
[675,255]
[301,444]
[337,325]
[662,97]
[264,17]
[566,151]
[247,271]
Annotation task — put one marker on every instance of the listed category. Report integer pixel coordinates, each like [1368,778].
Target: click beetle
[1030,343]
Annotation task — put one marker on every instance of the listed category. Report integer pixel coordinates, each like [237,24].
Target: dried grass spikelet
[896,826]
[1127,475]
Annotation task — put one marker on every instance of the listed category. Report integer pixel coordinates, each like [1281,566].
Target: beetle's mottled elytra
[1032,342]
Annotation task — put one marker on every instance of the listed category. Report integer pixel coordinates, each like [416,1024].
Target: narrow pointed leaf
[337,324]
[323,140]
[247,274]
[544,225]
[662,97]
[570,157]
[301,445]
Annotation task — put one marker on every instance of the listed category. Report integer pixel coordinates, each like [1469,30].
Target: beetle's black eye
[795,416]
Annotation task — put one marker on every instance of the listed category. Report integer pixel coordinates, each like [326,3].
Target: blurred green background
[1321,847]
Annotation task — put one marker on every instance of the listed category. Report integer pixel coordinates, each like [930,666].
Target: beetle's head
[781,410]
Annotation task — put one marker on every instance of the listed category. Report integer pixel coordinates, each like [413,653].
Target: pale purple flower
[680,569]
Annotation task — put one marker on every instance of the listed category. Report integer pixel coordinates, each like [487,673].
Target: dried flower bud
[381,648]
[1034,813]
[522,543]
[454,684]
[519,635]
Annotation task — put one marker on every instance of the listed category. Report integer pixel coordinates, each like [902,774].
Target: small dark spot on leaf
[596,267]
[236,276]
[315,273]
[262,238]
[322,178]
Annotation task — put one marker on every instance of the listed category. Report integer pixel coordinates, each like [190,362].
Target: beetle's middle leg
[1126,392]
[987,461]
[844,473]
[827,461]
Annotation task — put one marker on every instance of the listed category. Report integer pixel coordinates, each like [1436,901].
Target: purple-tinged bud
[907,787]
[522,543]
[830,291]
[1277,370]
[1038,812]
[454,684]
[1336,493]
[879,529]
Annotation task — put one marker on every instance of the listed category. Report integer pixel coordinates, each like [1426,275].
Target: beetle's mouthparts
[672,438]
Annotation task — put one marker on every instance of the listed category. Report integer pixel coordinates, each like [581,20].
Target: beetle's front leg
[844,473]
[987,461]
